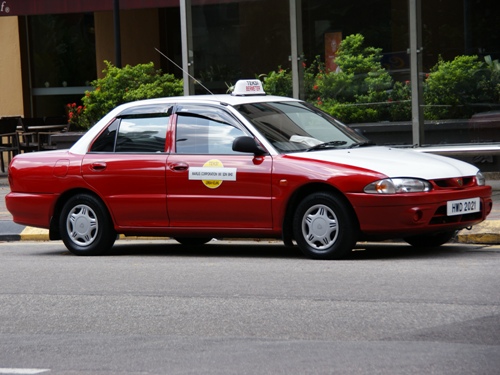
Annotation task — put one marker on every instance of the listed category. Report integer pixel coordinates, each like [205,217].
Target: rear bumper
[31,209]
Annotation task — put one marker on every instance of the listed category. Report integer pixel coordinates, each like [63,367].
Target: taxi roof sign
[246,87]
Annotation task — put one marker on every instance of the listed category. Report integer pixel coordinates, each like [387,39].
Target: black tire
[430,240]
[86,227]
[324,227]
[193,241]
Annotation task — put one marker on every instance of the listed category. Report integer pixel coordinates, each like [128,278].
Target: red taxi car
[241,165]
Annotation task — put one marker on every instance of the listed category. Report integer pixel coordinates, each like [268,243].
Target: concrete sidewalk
[488,232]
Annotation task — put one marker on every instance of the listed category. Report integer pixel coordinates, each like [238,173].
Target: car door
[126,166]
[208,184]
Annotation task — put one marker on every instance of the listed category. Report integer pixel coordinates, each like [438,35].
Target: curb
[39,234]
[34,234]
[488,233]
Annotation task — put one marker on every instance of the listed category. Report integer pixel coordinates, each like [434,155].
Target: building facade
[52,50]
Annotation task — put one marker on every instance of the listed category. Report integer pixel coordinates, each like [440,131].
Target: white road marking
[22,371]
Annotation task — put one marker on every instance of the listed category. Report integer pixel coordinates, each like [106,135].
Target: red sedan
[241,165]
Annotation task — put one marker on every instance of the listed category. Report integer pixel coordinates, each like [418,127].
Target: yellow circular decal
[213,163]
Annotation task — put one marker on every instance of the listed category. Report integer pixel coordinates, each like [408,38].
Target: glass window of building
[62,60]
[238,39]
[368,81]
[461,73]
[354,59]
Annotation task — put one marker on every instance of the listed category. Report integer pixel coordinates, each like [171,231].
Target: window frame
[194,109]
[118,123]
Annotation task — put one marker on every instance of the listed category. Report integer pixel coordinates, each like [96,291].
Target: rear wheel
[430,240]
[85,226]
[324,227]
[190,241]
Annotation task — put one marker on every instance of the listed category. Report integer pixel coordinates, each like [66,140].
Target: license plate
[463,206]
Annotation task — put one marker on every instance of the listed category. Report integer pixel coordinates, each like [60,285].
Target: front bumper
[417,213]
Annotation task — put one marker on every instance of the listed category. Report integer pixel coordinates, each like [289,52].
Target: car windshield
[298,127]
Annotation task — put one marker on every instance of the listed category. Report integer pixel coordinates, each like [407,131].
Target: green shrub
[400,102]
[278,83]
[494,66]
[360,75]
[311,71]
[454,88]
[360,84]
[122,85]
[351,112]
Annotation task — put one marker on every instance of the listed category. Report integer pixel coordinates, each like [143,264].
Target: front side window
[205,130]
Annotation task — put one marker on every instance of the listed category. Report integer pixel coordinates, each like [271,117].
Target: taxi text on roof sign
[248,87]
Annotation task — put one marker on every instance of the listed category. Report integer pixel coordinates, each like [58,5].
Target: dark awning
[33,7]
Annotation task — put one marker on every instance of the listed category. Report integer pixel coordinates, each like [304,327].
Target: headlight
[480,179]
[398,185]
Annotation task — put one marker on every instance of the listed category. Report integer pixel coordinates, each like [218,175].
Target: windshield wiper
[362,144]
[331,144]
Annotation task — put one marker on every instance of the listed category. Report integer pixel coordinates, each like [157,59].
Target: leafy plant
[360,83]
[351,112]
[494,66]
[360,73]
[400,101]
[122,85]
[278,83]
[74,113]
[455,87]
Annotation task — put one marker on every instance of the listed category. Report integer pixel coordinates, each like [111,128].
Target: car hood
[394,162]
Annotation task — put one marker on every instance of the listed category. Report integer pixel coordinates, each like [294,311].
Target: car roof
[216,99]
[245,91]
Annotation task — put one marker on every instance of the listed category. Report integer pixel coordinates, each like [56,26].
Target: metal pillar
[297,54]
[118,42]
[415,51]
[187,46]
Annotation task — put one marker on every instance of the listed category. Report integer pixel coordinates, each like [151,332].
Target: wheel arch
[54,221]
[299,195]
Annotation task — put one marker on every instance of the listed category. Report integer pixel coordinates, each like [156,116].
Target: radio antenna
[194,79]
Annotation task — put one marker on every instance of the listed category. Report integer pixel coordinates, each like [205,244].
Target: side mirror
[248,144]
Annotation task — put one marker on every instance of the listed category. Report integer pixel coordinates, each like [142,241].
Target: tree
[127,84]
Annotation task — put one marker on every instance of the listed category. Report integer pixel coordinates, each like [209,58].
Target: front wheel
[431,240]
[85,226]
[324,227]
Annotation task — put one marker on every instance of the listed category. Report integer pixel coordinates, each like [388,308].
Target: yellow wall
[11,86]
[139,36]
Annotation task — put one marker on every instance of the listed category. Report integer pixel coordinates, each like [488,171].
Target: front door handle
[179,167]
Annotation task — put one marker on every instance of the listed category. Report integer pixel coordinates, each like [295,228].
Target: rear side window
[134,134]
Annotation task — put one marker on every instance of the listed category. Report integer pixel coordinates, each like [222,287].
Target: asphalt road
[249,308]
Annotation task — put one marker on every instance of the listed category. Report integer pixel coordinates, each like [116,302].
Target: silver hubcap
[319,227]
[82,225]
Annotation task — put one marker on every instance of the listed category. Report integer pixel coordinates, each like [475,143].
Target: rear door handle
[98,166]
